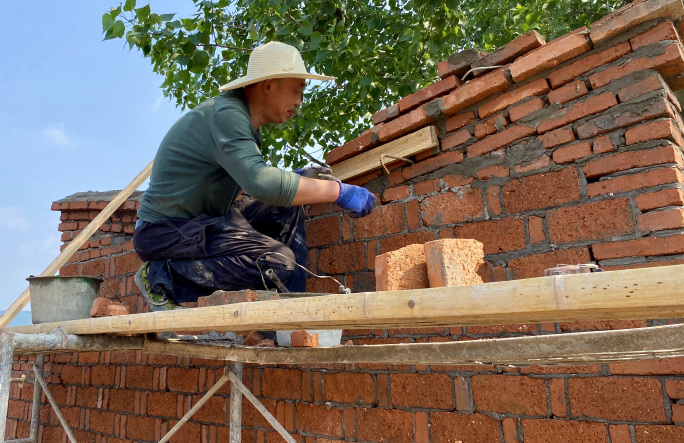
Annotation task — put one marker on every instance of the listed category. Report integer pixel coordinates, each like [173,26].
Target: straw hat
[273,60]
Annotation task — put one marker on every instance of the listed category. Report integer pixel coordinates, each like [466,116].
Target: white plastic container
[326,337]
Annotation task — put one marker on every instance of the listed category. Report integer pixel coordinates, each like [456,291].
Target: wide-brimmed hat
[273,60]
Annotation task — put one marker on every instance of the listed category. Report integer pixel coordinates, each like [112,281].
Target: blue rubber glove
[358,200]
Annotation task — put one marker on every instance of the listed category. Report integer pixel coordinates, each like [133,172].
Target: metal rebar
[6,358]
[235,405]
[58,413]
[276,281]
[257,404]
[222,381]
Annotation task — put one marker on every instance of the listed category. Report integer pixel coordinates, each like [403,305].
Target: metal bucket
[62,298]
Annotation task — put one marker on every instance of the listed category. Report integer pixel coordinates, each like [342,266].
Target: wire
[343,289]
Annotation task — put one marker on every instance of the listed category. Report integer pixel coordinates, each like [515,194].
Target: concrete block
[453,262]
[401,269]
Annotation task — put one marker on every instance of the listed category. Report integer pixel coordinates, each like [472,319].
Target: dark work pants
[193,258]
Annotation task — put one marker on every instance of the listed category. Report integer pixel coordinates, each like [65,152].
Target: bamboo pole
[617,295]
[74,246]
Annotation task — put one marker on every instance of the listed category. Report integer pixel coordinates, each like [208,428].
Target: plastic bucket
[62,298]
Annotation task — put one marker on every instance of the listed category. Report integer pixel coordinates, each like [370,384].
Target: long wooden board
[405,146]
[76,243]
[555,349]
[630,294]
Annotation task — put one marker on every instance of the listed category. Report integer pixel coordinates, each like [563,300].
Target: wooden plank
[555,349]
[406,146]
[76,243]
[628,294]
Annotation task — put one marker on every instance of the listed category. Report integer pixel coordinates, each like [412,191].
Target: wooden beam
[406,146]
[555,349]
[618,295]
[76,243]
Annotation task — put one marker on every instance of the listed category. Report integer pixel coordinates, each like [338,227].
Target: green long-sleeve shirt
[208,156]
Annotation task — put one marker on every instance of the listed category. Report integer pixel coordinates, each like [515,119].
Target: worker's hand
[318,172]
[358,200]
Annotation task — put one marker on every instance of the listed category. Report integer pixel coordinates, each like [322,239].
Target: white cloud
[12,217]
[56,134]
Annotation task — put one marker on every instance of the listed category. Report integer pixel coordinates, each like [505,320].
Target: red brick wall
[571,153]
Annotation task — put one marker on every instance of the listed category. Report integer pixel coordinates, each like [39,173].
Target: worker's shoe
[157,302]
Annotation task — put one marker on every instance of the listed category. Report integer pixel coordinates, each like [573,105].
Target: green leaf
[107,21]
[166,17]
[115,31]
[129,5]
[143,13]
[200,58]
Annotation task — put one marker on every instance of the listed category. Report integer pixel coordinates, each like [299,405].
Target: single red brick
[641,247]
[541,190]
[509,394]
[428,93]
[545,430]
[654,433]
[550,55]
[674,388]
[459,121]
[536,229]
[500,140]
[579,110]
[465,204]
[386,114]
[493,171]
[661,220]
[660,199]
[490,126]
[534,265]
[572,71]
[631,15]
[399,241]
[453,262]
[405,124]
[339,259]
[384,220]
[557,137]
[660,32]
[475,91]
[608,398]
[318,419]
[670,62]
[512,50]
[590,221]
[391,194]
[660,129]
[323,231]
[568,92]
[632,159]
[281,383]
[302,339]
[117,309]
[537,87]
[99,308]
[383,425]
[455,139]
[454,427]
[517,112]
[349,388]
[422,427]
[432,164]
[401,269]
[652,83]
[429,186]
[602,144]
[631,182]
[493,200]
[504,235]
[559,401]
[422,390]
[626,115]
[571,153]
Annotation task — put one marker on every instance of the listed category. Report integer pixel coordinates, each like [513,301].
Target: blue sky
[76,114]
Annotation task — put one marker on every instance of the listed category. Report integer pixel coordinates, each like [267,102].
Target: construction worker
[195,232]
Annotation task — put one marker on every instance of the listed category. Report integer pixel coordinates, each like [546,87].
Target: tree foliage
[380,50]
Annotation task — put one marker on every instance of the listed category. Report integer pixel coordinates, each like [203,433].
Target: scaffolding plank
[555,349]
[618,295]
[406,146]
